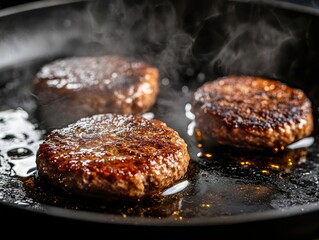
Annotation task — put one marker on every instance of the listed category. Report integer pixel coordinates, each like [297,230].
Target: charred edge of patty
[255,119]
[68,89]
[137,171]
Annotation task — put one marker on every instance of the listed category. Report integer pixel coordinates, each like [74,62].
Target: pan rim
[283,5]
[35,5]
[51,3]
[106,218]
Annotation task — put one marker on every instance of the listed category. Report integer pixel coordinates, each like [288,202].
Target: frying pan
[269,195]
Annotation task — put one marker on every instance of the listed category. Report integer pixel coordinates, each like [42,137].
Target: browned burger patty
[251,112]
[113,156]
[71,88]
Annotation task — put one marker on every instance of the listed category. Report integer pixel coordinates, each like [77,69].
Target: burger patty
[71,88]
[251,112]
[113,156]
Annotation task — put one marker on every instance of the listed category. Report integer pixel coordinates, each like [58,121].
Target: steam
[143,30]
[32,35]
[253,48]
[193,39]
[189,39]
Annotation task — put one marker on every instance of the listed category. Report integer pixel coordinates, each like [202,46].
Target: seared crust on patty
[251,112]
[71,88]
[113,156]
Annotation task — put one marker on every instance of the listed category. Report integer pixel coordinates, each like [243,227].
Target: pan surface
[190,43]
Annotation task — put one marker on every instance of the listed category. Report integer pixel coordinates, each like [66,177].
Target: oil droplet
[265,171]
[25,167]
[246,163]
[8,137]
[175,213]
[274,166]
[188,111]
[204,155]
[185,89]
[281,148]
[201,77]
[165,81]
[198,135]
[149,115]
[176,188]
[190,128]
[305,142]
[206,205]
[18,153]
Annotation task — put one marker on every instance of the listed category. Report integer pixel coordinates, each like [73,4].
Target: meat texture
[113,156]
[251,112]
[71,88]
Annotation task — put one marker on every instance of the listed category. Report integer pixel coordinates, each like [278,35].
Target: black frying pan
[275,195]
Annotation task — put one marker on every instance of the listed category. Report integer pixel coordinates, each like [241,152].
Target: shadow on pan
[190,42]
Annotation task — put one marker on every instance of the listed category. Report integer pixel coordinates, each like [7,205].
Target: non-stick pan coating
[225,189]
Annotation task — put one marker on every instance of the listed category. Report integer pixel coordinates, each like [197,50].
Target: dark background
[5,4]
